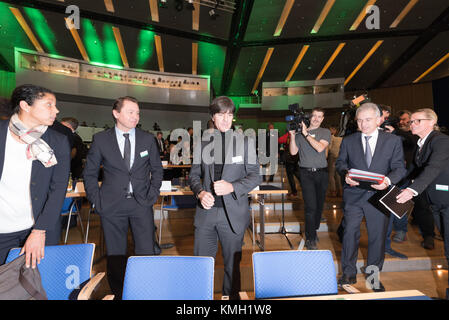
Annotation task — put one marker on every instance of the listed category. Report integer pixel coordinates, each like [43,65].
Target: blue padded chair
[294,273]
[70,207]
[64,268]
[169,278]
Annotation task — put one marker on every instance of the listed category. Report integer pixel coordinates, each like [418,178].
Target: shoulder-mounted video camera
[294,122]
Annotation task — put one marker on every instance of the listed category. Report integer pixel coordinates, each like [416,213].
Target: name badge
[144,153]
[237,159]
[441,187]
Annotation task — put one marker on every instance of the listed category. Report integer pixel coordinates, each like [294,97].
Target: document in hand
[360,175]
[398,209]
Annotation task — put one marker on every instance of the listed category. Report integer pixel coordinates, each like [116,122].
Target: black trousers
[17,239]
[292,170]
[423,215]
[115,229]
[207,235]
[314,186]
[376,224]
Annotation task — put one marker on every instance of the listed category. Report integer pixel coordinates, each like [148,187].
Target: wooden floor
[425,270]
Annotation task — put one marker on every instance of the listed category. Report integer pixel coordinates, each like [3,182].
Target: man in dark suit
[79,150]
[375,151]
[131,183]
[221,179]
[34,172]
[430,170]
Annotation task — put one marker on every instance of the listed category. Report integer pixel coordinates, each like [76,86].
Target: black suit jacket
[388,159]
[145,174]
[241,169]
[48,186]
[431,167]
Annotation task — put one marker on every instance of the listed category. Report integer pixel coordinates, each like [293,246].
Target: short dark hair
[73,122]
[385,108]
[402,112]
[118,103]
[28,93]
[220,105]
[318,109]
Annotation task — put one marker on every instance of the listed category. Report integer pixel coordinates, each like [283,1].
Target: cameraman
[311,144]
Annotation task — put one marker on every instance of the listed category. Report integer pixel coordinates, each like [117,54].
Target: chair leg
[161,217]
[68,226]
[88,223]
[254,225]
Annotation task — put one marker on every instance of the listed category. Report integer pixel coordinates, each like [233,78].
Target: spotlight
[213,15]
[163,4]
[189,5]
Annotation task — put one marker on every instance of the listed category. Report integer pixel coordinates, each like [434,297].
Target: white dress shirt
[121,145]
[372,144]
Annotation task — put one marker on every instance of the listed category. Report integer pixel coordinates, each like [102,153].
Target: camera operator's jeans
[314,186]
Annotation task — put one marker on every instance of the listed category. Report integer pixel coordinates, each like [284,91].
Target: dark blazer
[244,176]
[388,159]
[48,186]
[105,151]
[431,167]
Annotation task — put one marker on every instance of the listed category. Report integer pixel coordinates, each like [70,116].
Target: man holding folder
[375,151]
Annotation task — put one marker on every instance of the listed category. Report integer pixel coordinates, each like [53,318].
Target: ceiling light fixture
[262,68]
[364,60]
[78,41]
[403,13]
[331,60]
[362,15]
[283,18]
[154,10]
[432,68]
[327,8]
[121,47]
[298,60]
[16,12]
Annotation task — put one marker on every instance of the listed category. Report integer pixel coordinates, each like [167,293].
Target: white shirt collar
[374,134]
[423,140]
[120,133]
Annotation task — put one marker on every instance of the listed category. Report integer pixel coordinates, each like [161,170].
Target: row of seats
[66,273]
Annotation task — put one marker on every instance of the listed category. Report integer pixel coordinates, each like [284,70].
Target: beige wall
[410,97]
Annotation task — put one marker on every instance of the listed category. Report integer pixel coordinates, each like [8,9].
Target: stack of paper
[360,175]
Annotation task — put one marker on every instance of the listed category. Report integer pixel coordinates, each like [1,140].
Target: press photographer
[310,141]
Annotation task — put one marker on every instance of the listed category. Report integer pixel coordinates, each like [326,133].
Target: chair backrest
[294,273]
[169,278]
[63,268]
[67,204]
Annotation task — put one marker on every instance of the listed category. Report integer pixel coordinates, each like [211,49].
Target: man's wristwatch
[196,196]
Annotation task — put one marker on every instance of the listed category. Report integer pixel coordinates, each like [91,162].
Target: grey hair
[368,106]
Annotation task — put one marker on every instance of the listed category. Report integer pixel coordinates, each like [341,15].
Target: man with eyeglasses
[430,172]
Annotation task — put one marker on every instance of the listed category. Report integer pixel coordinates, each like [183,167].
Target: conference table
[387,295]
[261,192]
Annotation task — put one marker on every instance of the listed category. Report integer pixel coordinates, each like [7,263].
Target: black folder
[385,201]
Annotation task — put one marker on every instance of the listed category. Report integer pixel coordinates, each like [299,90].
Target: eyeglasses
[417,121]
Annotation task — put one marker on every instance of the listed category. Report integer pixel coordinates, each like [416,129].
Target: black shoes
[345,279]
[428,243]
[311,245]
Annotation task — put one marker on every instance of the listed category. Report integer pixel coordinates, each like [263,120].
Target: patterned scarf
[37,148]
